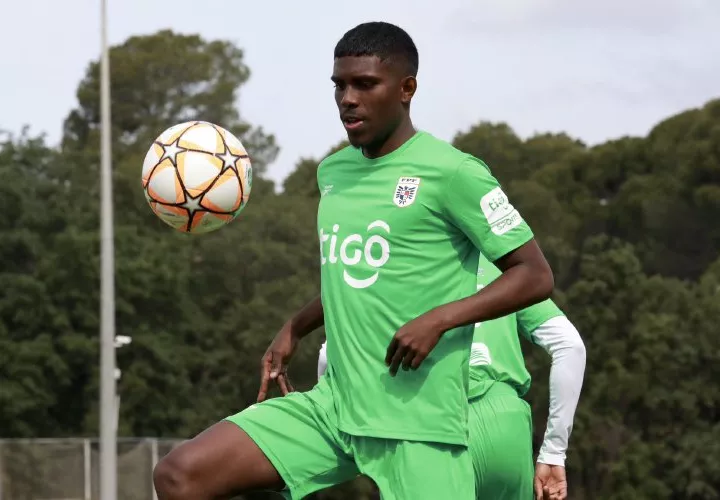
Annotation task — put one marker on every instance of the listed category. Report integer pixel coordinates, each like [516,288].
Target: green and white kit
[399,235]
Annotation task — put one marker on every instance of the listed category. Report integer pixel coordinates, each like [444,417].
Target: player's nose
[350,98]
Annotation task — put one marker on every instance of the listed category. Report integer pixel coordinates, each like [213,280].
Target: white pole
[2,474]
[108,429]
[87,466]
[154,459]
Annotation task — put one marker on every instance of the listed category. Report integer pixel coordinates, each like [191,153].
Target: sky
[594,69]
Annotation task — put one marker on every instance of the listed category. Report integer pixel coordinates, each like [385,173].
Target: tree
[160,80]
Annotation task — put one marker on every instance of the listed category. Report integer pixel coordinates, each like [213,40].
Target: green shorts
[299,435]
[500,425]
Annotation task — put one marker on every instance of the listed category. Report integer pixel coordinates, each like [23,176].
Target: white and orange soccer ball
[197,177]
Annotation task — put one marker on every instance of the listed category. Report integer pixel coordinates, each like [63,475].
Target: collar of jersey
[392,154]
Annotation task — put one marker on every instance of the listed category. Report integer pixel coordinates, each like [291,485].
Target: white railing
[68,469]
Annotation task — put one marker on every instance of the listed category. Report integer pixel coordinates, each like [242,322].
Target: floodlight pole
[108,422]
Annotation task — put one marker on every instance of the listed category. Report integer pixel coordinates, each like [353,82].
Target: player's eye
[365,84]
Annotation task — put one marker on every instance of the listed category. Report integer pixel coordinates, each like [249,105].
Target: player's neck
[400,136]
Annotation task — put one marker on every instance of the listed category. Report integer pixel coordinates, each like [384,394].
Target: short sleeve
[532,317]
[476,204]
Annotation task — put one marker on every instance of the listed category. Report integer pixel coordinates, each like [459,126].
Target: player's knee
[172,478]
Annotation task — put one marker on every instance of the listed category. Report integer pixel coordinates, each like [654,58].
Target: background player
[500,422]
[399,205]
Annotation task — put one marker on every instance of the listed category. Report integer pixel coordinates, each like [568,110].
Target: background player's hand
[412,343]
[274,364]
[550,482]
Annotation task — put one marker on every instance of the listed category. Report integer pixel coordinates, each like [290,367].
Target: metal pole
[87,466]
[108,429]
[2,473]
[154,459]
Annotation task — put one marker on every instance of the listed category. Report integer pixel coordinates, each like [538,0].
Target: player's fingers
[538,489]
[397,359]
[558,492]
[262,392]
[264,379]
[417,361]
[282,383]
[546,493]
[289,384]
[391,351]
[408,360]
[275,366]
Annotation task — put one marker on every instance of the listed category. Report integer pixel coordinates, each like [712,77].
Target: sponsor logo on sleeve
[499,212]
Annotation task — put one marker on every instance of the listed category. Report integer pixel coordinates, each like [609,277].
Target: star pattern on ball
[171,151]
[229,160]
[191,204]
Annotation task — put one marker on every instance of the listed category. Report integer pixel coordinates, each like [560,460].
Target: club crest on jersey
[406,191]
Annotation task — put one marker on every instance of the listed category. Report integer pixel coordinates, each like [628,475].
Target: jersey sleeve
[476,204]
[530,318]
[322,361]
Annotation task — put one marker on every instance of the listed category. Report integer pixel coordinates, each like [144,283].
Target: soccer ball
[197,177]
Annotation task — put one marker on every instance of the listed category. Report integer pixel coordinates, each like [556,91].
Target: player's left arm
[561,340]
[476,204]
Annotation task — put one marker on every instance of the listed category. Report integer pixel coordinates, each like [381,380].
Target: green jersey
[496,354]
[530,318]
[399,236]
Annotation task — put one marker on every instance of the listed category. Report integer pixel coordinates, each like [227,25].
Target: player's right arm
[274,363]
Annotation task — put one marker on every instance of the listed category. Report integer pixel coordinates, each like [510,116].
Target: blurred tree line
[631,228]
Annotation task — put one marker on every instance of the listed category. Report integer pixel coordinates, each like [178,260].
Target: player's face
[372,97]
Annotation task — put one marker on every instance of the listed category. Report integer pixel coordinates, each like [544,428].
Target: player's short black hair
[383,40]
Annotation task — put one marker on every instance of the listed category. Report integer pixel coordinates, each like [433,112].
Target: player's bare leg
[219,463]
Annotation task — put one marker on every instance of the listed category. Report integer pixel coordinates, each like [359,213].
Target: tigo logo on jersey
[355,250]
[406,191]
[498,211]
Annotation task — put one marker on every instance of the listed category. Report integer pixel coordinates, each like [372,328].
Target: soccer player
[401,222]
[500,422]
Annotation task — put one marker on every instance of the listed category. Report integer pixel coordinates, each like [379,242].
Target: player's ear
[408,86]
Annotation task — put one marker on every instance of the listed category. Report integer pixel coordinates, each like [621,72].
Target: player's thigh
[300,440]
[416,469]
[218,462]
[281,444]
[500,433]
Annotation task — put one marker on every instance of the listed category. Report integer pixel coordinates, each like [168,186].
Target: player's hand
[274,364]
[413,342]
[550,482]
